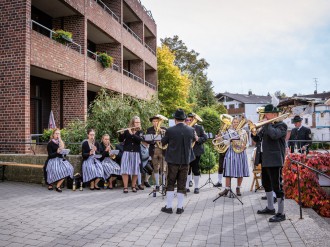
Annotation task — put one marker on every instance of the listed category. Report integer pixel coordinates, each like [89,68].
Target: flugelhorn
[219,145]
[254,126]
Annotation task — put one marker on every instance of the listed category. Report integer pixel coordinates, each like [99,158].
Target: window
[306,120]
[231,106]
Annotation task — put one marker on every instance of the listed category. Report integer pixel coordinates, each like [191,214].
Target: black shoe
[238,192]
[97,188]
[277,218]
[167,210]
[264,198]
[59,190]
[179,210]
[275,200]
[187,190]
[140,187]
[190,184]
[266,211]
[218,184]
[224,192]
[146,184]
[196,191]
[50,187]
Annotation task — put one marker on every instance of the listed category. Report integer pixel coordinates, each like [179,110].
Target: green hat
[271,109]
[296,119]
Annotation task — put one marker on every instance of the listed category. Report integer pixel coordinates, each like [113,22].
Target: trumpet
[254,126]
[111,148]
[131,128]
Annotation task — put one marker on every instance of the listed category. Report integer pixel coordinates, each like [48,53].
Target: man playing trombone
[272,135]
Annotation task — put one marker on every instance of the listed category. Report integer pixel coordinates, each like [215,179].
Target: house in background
[247,104]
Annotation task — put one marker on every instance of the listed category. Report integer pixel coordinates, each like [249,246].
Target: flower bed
[312,194]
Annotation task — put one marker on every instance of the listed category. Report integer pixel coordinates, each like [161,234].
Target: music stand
[231,195]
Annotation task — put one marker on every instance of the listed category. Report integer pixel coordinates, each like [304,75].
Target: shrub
[208,160]
[105,59]
[62,36]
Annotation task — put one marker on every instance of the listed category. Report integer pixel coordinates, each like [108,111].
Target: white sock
[187,182]
[164,178]
[180,199]
[169,198]
[220,178]
[157,178]
[196,180]
[274,194]
[139,178]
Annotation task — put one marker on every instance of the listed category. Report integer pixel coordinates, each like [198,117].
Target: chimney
[250,92]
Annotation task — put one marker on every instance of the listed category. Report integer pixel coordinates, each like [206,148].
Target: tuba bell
[196,119]
[240,145]
[158,130]
[218,143]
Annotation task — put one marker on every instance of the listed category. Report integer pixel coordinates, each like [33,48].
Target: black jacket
[131,142]
[151,130]
[86,149]
[273,144]
[179,139]
[304,133]
[202,138]
[52,151]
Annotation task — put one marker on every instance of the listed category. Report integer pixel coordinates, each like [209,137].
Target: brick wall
[112,49]
[14,73]
[151,42]
[137,68]
[137,28]
[115,6]
[56,101]
[151,76]
[78,5]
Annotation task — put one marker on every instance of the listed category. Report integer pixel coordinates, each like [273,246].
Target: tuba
[240,145]
[218,143]
[193,122]
[158,130]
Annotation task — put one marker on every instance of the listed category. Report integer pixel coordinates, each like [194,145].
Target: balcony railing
[131,75]
[150,85]
[48,32]
[133,34]
[147,11]
[149,48]
[94,56]
[107,9]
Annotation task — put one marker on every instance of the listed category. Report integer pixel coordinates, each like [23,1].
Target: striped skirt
[110,167]
[130,163]
[57,169]
[91,169]
[235,165]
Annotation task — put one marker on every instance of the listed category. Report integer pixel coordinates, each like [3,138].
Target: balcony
[108,10]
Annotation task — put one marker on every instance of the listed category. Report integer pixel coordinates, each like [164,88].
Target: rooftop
[246,98]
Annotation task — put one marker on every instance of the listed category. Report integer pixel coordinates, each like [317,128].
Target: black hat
[296,119]
[153,117]
[191,114]
[179,114]
[270,109]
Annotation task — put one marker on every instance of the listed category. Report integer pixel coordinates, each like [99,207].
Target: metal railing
[94,56]
[132,33]
[149,48]
[107,9]
[116,67]
[69,43]
[147,11]
[131,75]
[150,85]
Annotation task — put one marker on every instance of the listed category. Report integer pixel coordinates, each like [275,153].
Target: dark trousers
[45,172]
[271,178]
[221,161]
[177,174]
[194,166]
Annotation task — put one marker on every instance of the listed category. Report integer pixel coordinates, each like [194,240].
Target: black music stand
[231,195]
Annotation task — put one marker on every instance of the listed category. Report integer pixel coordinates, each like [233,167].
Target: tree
[173,87]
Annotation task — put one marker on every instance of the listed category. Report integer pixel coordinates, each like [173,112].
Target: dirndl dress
[130,163]
[57,169]
[110,167]
[92,168]
[235,164]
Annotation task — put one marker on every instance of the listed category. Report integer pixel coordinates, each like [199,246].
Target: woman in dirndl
[236,161]
[130,162]
[110,167]
[58,168]
[92,168]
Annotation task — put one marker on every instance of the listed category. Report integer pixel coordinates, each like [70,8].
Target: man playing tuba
[156,150]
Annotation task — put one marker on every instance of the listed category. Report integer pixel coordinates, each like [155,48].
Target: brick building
[39,74]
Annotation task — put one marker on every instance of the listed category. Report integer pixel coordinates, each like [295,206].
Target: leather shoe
[140,187]
[264,198]
[167,210]
[196,191]
[275,200]
[146,184]
[188,190]
[238,192]
[190,184]
[277,218]
[266,211]
[224,192]
[179,210]
[218,184]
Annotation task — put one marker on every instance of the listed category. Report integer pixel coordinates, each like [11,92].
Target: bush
[62,36]
[105,59]
[312,195]
[208,160]
[211,119]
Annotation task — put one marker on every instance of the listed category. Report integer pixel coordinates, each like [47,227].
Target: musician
[272,136]
[57,167]
[300,132]
[156,153]
[110,167]
[179,155]
[235,161]
[92,168]
[198,151]
[130,162]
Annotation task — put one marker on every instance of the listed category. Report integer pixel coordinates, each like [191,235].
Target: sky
[259,45]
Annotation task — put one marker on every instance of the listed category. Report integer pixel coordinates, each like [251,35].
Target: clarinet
[92,148]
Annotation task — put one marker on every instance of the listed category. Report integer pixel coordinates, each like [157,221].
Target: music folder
[114,152]
[151,137]
[65,151]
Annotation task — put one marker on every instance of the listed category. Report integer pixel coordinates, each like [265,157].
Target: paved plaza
[30,215]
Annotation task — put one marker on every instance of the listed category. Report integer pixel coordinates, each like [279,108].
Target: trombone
[254,126]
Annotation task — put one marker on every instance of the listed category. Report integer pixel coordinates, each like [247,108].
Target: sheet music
[65,151]
[114,152]
[151,137]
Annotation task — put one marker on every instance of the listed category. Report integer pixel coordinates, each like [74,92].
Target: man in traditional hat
[179,154]
[198,151]
[157,154]
[299,133]
[272,138]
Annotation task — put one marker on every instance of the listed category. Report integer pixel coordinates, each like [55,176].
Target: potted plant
[62,36]
[105,59]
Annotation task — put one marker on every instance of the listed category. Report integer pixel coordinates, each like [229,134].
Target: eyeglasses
[187,120]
